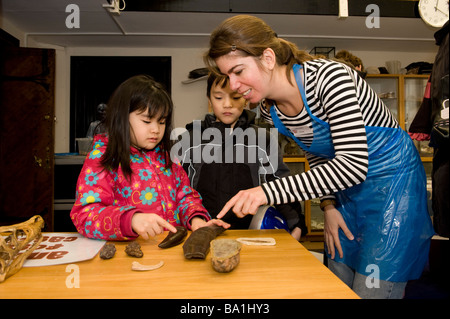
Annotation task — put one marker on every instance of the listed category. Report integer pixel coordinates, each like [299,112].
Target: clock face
[434,12]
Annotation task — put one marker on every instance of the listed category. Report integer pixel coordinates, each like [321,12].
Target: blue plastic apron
[387,213]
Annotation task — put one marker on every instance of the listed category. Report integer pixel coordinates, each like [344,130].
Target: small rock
[108,251]
[133,249]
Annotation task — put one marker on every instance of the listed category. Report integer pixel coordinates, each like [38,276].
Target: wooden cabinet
[313,214]
[403,95]
[27,111]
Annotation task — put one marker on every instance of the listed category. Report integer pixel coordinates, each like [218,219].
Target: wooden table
[285,271]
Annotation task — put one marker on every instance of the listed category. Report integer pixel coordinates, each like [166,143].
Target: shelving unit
[313,213]
[403,95]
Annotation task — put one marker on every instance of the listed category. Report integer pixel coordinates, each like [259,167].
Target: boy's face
[227,105]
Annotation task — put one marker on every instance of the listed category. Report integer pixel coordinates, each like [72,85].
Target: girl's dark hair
[139,93]
[250,36]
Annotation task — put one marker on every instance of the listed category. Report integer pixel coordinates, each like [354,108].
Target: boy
[229,153]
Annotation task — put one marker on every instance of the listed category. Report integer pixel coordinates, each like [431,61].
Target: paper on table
[63,248]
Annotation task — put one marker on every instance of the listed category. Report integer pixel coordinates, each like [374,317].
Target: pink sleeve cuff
[125,224]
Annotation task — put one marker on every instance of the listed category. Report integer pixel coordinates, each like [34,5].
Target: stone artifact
[133,249]
[108,251]
[13,240]
[197,245]
[174,239]
[225,254]
[139,267]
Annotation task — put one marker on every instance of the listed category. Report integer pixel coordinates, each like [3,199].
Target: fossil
[174,239]
[108,251]
[133,249]
[225,254]
[198,243]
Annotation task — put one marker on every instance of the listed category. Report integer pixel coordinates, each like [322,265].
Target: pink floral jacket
[106,201]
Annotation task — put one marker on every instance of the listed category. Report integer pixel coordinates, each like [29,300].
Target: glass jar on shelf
[414,90]
[386,87]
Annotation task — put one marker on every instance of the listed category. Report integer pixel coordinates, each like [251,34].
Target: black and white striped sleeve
[336,92]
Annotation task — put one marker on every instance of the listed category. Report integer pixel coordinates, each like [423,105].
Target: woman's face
[246,76]
[145,132]
[227,104]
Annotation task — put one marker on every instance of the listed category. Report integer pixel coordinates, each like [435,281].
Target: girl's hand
[198,222]
[150,225]
[333,221]
[245,202]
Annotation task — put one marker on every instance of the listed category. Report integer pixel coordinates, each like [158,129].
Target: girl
[364,167]
[128,185]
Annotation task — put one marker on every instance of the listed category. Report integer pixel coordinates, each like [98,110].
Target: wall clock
[434,12]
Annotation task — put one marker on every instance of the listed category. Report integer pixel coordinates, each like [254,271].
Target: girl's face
[146,132]
[227,105]
[246,76]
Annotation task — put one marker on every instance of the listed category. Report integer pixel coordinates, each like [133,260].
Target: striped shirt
[339,96]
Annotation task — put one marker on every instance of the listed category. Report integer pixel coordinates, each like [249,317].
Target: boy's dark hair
[215,79]
[139,93]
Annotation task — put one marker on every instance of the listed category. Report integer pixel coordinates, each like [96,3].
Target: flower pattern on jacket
[106,200]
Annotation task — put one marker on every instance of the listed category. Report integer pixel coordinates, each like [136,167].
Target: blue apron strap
[283,129]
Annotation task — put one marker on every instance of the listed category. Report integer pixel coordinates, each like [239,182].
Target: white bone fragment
[257,241]
[139,267]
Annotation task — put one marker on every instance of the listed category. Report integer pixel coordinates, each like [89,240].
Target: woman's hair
[215,79]
[250,36]
[139,93]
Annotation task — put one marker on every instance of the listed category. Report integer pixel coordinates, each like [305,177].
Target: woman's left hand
[333,221]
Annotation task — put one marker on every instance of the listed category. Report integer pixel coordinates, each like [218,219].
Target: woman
[364,167]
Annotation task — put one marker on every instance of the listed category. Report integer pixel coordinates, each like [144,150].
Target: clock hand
[444,8]
[437,9]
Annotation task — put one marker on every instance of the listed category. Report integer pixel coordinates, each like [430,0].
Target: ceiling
[45,21]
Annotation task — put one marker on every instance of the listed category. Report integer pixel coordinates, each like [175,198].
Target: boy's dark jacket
[220,180]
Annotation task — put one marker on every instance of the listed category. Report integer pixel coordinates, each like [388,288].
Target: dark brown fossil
[198,243]
[108,251]
[174,239]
